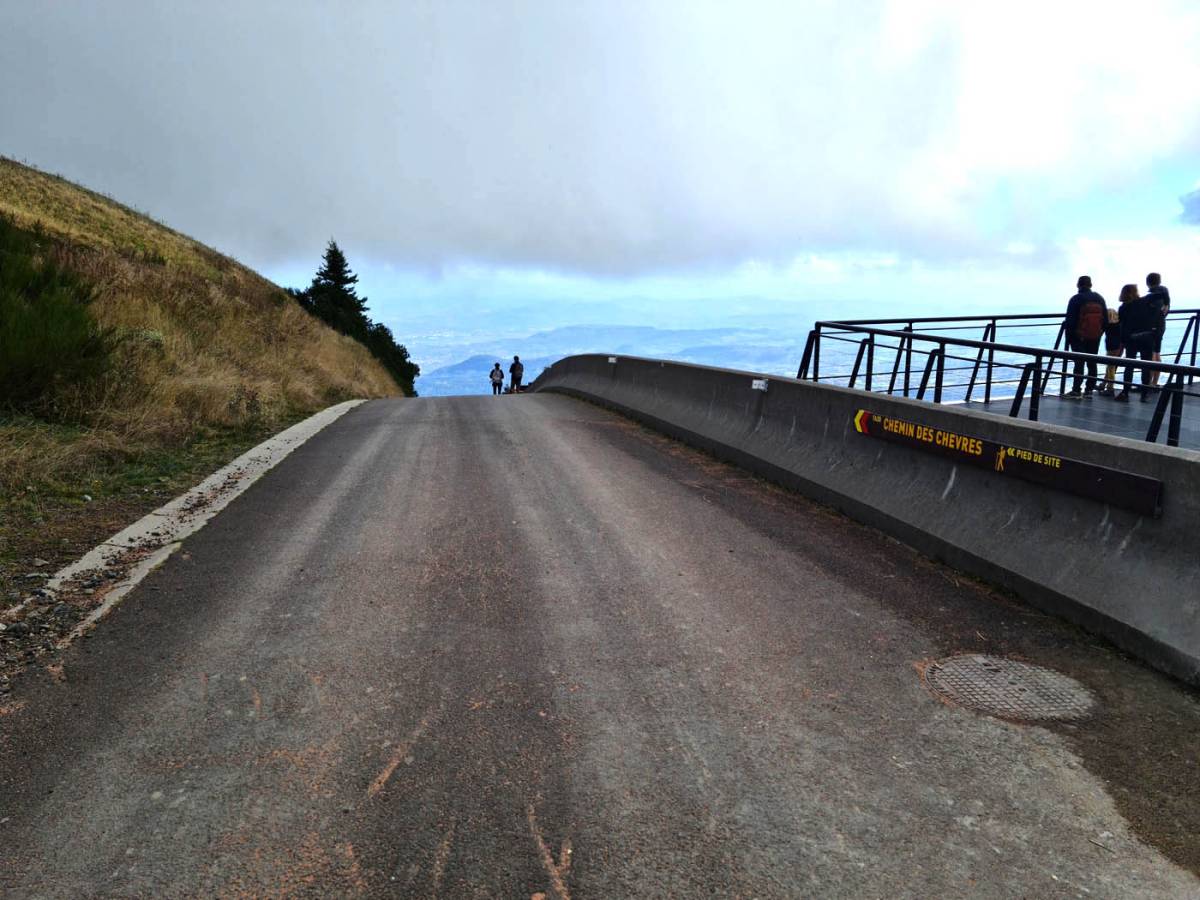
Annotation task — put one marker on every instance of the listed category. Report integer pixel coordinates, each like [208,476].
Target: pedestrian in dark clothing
[1160,299]
[516,372]
[496,377]
[1087,315]
[1112,339]
[1139,324]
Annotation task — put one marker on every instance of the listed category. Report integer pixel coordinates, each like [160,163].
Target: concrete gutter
[136,551]
[1129,576]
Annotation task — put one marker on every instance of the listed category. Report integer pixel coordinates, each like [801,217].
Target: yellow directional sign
[1125,489]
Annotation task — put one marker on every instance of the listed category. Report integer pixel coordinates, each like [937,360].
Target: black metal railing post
[870,358]
[1176,422]
[802,372]
[896,364]
[1035,397]
[941,372]
[816,357]
[987,388]
[987,337]
[1195,336]
[1187,333]
[1022,386]
[1058,342]
[858,358]
[908,352]
[1166,399]
[930,361]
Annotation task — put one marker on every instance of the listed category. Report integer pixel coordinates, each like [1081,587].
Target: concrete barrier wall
[1131,577]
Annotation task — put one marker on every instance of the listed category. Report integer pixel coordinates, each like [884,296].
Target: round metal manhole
[1008,689]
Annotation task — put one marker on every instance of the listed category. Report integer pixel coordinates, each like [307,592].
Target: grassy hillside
[200,340]
[133,361]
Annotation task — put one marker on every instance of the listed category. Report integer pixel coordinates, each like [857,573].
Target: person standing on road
[1087,315]
[1160,299]
[496,376]
[1139,326]
[516,372]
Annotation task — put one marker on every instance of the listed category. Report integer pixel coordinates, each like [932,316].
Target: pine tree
[333,298]
[335,272]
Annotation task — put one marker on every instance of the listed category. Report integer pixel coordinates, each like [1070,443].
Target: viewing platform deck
[1015,366]
[1100,414]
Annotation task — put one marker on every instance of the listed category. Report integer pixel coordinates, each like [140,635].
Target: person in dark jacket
[515,373]
[1087,315]
[1139,326]
[1160,299]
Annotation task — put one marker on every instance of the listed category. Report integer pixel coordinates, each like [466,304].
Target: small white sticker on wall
[612,359]
[758,384]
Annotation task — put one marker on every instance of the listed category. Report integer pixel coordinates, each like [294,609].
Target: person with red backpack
[1087,314]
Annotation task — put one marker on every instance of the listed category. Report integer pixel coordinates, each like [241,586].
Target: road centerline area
[520,646]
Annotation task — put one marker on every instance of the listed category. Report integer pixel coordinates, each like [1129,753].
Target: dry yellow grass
[207,341]
[89,220]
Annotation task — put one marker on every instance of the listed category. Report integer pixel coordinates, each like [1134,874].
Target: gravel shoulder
[45,526]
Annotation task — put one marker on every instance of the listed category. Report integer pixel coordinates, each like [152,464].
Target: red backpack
[1091,321]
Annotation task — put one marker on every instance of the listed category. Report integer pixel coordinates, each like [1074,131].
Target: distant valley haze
[755,349]
[696,180]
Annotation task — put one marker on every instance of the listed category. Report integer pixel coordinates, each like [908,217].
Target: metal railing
[886,355]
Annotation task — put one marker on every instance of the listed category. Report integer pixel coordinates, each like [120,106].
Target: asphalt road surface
[522,647]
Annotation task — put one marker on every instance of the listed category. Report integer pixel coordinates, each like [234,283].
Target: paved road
[520,647]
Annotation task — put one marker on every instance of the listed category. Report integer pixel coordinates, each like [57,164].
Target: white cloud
[1115,262]
[603,137]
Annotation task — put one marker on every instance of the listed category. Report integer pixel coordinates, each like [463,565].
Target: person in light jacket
[1112,340]
[496,376]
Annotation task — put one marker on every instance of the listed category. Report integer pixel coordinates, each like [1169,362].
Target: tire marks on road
[558,871]
[399,755]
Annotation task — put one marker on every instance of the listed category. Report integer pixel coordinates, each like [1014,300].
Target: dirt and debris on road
[44,531]
[470,648]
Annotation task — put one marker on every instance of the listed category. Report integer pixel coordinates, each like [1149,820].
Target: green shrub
[50,346]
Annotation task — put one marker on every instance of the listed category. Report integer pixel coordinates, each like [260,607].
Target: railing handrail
[1018,349]
[1037,364]
[1005,317]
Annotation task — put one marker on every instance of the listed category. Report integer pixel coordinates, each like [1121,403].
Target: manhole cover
[1008,689]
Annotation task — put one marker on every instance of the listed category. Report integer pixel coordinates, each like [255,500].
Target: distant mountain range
[471,375]
[753,349]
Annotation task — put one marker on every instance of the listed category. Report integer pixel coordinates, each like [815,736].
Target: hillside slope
[203,339]
[202,358]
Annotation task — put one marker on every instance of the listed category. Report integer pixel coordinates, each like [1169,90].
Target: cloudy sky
[682,159]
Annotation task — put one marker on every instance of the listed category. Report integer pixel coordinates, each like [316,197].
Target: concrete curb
[1125,575]
[148,542]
